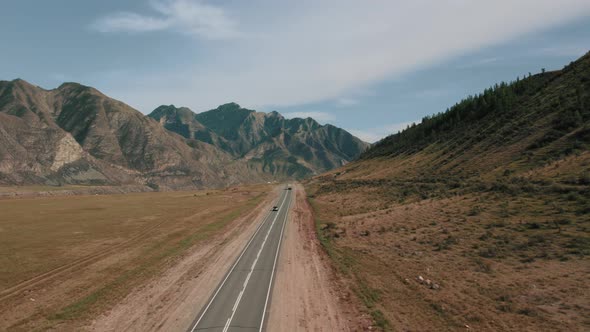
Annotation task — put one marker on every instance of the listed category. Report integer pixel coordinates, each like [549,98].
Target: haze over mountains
[76,135]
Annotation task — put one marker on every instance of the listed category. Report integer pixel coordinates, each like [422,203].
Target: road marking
[237,303]
[273,267]
[230,271]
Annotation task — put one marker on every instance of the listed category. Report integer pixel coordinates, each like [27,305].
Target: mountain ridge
[519,123]
[75,134]
[299,147]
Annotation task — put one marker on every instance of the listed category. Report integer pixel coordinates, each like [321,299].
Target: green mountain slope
[267,141]
[515,128]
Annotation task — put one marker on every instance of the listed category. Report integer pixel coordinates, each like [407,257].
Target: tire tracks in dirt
[80,262]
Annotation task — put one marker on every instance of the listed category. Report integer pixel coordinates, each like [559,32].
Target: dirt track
[307,296]
[78,263]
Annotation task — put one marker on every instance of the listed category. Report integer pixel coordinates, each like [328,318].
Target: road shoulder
[307,295]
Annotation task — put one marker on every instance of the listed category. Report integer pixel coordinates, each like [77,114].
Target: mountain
[268,142]
[75,134]
[516,129]
[476,217]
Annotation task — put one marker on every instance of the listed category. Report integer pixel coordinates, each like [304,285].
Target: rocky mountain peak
[170,111]
[286,147]
[76,134]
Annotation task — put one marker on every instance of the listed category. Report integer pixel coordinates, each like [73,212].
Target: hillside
[513,128]
[477,217]
[268,142]
[76,135]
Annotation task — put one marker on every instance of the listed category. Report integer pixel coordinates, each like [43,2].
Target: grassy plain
[434,256]
[64,259]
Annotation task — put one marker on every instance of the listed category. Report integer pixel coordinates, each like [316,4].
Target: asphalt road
[241,300]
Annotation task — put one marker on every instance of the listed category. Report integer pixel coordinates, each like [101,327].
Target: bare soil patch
[307,294]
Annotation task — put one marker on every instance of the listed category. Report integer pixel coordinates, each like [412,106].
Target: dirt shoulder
[307,294]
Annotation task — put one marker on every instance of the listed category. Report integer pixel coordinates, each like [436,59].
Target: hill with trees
[478,217]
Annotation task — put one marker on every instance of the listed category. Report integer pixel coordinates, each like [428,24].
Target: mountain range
[74,134]
[268,142]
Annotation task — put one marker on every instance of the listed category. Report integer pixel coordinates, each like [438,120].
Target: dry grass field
[33,188]
[428,256]
[476,218]
[66,259]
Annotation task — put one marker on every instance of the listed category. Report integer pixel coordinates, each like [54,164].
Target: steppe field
[64,260]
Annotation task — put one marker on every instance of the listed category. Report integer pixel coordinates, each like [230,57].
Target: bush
[489,252]
[476,210]
[153,185]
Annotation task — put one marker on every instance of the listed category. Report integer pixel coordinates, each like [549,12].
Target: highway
[240,302]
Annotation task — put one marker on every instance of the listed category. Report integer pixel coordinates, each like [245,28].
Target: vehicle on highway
[275,208]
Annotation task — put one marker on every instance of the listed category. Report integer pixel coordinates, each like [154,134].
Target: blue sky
[370,67]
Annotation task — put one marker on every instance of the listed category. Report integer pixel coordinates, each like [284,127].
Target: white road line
[273,267]
[229,273]
[234,309]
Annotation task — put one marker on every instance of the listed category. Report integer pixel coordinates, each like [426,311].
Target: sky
[370,67]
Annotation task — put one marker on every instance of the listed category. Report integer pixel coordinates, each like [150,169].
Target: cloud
[565,50]
[373,135]
[347,101]
[322,117]
[190,17]
[130,22]
[367,136]
[480,62]
[302,52]
[432,93]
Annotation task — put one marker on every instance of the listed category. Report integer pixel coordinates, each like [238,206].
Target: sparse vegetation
[486,199]
[112,242]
